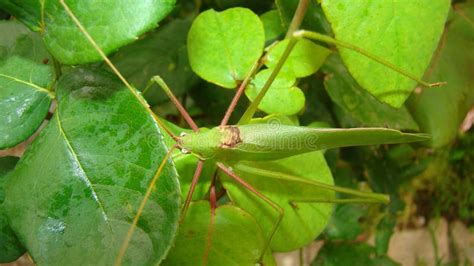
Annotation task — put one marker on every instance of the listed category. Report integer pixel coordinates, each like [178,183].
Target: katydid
[228,146]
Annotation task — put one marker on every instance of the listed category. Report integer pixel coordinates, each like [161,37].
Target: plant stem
[297,18]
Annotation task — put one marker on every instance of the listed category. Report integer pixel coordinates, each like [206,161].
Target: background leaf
[24,82]
[236,238]
[359,107]
[404,33]
[163,53]
[10,248]
[223,46]
[439,111]
[120,23]
[89,169]
[272,25]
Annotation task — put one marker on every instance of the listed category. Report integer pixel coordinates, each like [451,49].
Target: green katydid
[231,145]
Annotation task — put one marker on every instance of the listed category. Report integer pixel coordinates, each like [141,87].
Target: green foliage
[407,38]
[9,245]
[73,196]
[89,173]
[123,23]
[24,83]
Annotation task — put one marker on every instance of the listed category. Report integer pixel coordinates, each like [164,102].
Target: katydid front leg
[275,206]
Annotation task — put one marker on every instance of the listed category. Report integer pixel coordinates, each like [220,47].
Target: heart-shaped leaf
[24,81]
[231,237]
[301,223]
[439,111]
[359,107]
[10,248]
[405,33]
[223,46]
[283,97]
[305,58]
[79,184]
[120,23]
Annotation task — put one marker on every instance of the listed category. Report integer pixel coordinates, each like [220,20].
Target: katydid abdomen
[263,142]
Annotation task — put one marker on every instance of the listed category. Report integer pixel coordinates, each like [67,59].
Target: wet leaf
[163,53]
[79,184]
[233,238]
[223,46]
[305,58]
[24,81]
[359,105]
[10,248]
[120,23]
[440,111]
[282,98]
[404,33]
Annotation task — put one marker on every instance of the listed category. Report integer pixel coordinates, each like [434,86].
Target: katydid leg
[359,195]
[140,209]
[275,206]
[189,196]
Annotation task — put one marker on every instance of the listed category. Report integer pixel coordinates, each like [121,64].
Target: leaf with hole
[79,184]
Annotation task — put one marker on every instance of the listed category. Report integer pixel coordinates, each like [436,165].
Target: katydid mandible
[227,145]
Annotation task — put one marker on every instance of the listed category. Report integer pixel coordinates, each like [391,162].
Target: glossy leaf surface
[440,111]
[405,33]
[10,248]
[361,107]
[77,188]
[305,58]
[223,46]
[231,237]
[120,23]
[24,80]
[283,97]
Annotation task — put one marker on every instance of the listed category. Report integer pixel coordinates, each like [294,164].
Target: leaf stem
[297,18]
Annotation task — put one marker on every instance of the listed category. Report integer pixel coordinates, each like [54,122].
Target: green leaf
[300,224]
[24,82]
[358,105]
[404,33]
[163,53]
[10,248]
[272,25]
[344,223]
[305,58]
[440,111]
[79,184]
[235,238]
[120,23]
[314,19]
[341,254]
[282,98]
[223,46]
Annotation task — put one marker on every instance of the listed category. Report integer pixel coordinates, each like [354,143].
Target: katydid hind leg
[275,206]
[189,196]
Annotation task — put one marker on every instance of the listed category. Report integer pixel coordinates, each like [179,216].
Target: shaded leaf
[120,23]
[10,248]
[223,46]
[404,33]
[163,53]
[24,81]
[440,111]
[282,98]
[305,58]
[272,25]
[342,254]
[344,223]
[233,237]
[314,19]
[77,188]
[358,104]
